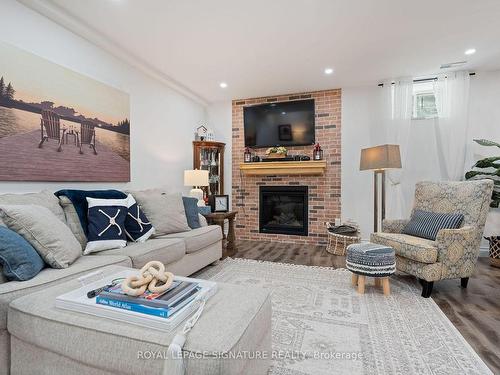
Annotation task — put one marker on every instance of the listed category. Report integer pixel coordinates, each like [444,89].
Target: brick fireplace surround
[324,191]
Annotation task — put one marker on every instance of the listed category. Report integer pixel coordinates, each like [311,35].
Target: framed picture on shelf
[219,203]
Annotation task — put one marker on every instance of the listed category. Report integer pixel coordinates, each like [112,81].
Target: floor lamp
[378,159]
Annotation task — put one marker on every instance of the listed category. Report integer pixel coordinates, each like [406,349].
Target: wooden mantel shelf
[311,168]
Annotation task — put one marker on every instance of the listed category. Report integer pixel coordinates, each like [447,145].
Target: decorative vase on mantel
[276,152]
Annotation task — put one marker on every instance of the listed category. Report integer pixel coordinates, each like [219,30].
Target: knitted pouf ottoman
[371,260]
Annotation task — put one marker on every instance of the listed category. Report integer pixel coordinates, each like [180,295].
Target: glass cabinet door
[210,156]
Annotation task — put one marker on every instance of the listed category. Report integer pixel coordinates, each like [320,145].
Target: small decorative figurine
[200,134]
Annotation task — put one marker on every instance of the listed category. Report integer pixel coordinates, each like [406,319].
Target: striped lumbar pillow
[427,224]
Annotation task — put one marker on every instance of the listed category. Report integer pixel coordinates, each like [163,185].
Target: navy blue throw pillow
[425,224]
[19,259]
[79,200]
[137,225]
[191,208]
[106,228]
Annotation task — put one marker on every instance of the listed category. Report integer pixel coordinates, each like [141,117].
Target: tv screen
[279,124]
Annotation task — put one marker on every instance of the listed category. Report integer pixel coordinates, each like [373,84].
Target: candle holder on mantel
[247,155]
[317,152]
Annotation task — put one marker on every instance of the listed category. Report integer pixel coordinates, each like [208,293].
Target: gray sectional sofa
[182,253]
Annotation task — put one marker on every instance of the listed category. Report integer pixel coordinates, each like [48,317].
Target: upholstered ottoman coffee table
[48,340]
[371,260]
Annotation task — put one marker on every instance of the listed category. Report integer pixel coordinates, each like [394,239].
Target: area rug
[321,325]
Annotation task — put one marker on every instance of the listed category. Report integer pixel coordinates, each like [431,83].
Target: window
[424,100]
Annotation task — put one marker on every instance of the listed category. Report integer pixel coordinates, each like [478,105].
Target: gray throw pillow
[43,198]
[50,237]
[164,210]
[72,220]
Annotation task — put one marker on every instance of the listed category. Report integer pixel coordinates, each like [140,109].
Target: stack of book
[162,312]
[164,305]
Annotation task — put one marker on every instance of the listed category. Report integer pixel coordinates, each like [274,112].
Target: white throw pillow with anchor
[106,228]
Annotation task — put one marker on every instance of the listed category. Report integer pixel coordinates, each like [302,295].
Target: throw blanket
[79,200]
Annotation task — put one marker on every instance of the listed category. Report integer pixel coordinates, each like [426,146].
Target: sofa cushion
[199,238]
[72,220]
[50,237]
[44,198]
[51,276]
[191,208]
[415,248]
[164,210]
[237,319]
[19,259]
[165,250]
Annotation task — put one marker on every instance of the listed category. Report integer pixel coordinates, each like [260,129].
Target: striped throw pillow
[427,224]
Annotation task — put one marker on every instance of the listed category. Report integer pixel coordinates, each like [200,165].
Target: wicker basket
[494,250]
[337,243]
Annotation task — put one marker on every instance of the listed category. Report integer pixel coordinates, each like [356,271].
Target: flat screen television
[279,124]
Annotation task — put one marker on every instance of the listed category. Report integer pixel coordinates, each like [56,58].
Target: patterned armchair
[454,253]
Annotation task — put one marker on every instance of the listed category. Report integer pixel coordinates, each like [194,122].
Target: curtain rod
[423,80]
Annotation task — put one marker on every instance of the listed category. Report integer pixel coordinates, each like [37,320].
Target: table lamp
[378,159]
[196,178]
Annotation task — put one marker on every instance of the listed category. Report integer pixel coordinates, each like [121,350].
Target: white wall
[220,120]
[359,118]
[484,122]
[162,120]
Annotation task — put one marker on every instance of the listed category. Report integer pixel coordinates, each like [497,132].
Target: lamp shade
[196,177]
[380,157]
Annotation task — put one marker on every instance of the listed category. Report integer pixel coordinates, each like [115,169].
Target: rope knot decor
[138,219]
[151,274]
[112,222]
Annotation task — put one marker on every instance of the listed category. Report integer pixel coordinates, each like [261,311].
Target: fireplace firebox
[283,210]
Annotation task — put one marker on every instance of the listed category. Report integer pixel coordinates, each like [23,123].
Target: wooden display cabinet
[209,156]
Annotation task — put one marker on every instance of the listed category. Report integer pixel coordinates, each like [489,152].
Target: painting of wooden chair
[50,128]
[87,136]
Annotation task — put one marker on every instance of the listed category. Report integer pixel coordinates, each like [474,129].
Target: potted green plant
[489,168]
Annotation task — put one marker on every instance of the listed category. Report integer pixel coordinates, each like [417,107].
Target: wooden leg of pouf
[361,284]
[354,279]
[378,281]
[386,286]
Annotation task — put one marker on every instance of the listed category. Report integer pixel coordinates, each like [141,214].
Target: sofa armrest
[458,250]
[394,226]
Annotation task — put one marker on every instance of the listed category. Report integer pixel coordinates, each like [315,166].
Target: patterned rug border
[213,271]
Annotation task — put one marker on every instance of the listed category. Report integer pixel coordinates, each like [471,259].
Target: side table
[217,218]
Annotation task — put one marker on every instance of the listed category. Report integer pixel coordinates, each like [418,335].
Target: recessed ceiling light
[470,51]
[283,113]
[223,85]
[328,71]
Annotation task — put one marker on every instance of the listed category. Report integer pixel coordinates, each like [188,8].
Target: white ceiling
[264,47]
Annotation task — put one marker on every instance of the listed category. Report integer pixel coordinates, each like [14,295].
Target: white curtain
[397,105]
[452,103]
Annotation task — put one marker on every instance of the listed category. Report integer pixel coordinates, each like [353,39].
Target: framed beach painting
[59,125]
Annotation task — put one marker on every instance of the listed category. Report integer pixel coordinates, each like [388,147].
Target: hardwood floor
[475,311]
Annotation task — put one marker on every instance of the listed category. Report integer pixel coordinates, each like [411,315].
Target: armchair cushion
[415,248]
